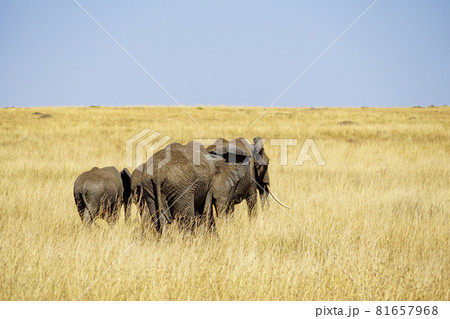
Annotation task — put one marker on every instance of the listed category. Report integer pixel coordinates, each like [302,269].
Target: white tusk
[276,199]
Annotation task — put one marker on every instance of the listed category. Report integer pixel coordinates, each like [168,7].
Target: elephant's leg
[211,222]
[156,220]
[103,208]
[86,210]
[215,207]
[264,195]
[208,214]
[107,210]
[86,218]
[143,210]
[186,215]
[115,214]
[252,200]
[151,217]
[221,208]
[127,209]
[80,205]
[230,210]
[166,216]
[91,211]
[145,216]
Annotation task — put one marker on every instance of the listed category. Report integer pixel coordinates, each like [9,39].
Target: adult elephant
[101,192]
[176,185]
[237,153]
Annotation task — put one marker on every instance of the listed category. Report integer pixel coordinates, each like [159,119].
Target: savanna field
[380,207]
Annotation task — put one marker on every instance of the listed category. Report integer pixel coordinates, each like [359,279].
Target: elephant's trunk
[276,199]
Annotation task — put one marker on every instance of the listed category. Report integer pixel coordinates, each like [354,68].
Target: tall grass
[380,207]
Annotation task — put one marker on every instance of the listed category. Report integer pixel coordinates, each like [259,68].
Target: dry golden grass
[380,207]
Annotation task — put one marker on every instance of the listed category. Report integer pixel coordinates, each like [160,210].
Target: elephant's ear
[237,171]
[217,143]
[126,181]
[261,161]
[229,175]
[259,144]
[229,151]
[259,154]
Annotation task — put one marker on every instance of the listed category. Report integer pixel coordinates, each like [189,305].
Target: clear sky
[225,52]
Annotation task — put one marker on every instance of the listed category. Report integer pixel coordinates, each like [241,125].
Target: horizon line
[216,105]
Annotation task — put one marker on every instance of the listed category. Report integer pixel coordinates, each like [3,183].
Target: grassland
[380,207]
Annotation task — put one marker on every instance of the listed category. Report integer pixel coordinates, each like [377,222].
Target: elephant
[239,152]
[101,192]
[177,185]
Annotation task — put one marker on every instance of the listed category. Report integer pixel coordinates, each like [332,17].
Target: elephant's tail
[139,202]
[160,206]
[87,214]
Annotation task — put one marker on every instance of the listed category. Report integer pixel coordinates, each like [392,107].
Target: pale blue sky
[225,52]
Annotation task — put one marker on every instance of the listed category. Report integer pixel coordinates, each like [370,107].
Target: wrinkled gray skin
[183,184]
[100,193]
[239,153]
[137,190]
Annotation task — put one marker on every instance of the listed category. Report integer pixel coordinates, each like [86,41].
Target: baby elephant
[100,193]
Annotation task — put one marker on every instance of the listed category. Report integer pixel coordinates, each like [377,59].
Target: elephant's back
[243,144]
[80,181]
[188,168]
[99,180]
